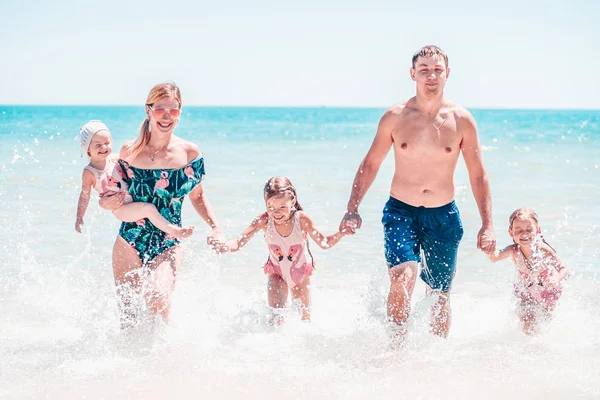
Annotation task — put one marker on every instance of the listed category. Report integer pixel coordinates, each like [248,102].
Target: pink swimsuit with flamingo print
[288,254]
[530,284]
[111,178]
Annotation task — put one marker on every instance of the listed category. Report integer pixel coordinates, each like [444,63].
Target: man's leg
[402,284]
[441,315]
[441,234]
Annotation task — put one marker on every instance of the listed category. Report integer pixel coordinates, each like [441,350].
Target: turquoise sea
[59,335]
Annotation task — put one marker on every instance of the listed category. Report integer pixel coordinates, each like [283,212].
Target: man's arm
[367,171]
[480,185]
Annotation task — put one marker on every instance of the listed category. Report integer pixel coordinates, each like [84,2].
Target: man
[427,133]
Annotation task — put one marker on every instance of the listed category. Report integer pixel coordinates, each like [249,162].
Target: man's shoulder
[460,112]
[397,108]
[463,117]
[407,105]
[396,111]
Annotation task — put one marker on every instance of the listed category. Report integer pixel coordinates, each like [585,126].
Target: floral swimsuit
[166,189]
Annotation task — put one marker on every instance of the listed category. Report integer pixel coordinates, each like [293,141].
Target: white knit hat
[87,132]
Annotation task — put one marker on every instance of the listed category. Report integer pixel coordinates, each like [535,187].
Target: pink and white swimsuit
[111,178]
[288,254]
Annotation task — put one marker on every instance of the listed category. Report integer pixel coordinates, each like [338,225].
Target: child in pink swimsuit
[287,228]
[104,174]
[540,271]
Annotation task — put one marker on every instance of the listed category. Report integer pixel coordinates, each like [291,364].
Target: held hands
[486,239]
[215,239]
[224,247]
[350,223]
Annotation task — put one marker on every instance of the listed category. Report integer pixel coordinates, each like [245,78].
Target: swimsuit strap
[547,244]
[525,259]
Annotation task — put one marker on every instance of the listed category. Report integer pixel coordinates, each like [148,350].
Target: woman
[160,168]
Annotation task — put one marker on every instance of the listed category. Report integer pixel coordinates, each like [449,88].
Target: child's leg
[302,291]
[139,210]
[527,315]
[277,291]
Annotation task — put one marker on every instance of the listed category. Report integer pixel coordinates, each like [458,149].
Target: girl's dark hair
[280,186]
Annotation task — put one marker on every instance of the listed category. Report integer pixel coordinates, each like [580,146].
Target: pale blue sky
[543,54]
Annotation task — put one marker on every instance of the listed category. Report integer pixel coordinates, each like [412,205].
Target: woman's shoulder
[191,149]
[126,150]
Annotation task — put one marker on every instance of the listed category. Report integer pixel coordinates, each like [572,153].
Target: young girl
[104,174]
[287,227]
[539,270]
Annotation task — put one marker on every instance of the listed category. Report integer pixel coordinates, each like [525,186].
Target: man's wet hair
[429,51]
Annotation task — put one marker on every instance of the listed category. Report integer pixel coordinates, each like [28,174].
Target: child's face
[523,231]
[100,146]
[280,208]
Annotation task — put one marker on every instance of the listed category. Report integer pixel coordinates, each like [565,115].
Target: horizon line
[307,107]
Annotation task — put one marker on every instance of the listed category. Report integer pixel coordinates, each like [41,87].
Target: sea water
[59,329]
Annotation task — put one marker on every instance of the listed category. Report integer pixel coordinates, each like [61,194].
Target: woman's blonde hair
[160,91]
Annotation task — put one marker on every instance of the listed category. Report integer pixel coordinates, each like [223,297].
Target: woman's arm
[200,201]
[324,242]
[112,200]
[498,255]
[87,182]
[259,223]
[204,209]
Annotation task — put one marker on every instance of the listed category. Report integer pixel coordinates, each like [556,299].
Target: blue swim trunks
[436,232]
